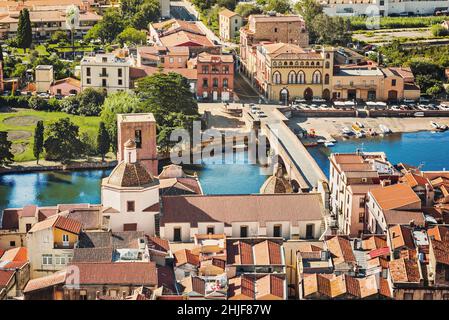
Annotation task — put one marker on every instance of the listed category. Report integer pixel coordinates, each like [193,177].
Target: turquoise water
[424,147]
[51,188]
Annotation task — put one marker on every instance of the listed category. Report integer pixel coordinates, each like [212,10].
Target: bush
[37,103]
[439,31]
[14,101]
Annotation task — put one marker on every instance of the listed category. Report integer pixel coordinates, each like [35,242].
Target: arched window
[274,64]
[327,65]
[296,63]
[301,78]
[307,63]
[291,63]
[302,63]
[312,63]
[317,63]
[328,56]
[276,78]
[285,63]
[316,78]
[292,77]
[326,79]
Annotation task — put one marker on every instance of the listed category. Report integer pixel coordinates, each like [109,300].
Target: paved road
[244,91]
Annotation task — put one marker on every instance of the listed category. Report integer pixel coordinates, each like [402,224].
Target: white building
[291,216]
[382,7]
[130,195]
[105,71]
[164,6]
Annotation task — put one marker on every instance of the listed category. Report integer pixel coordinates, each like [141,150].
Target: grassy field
[20,125]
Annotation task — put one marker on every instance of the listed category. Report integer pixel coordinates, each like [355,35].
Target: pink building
[215,76]
[65,87]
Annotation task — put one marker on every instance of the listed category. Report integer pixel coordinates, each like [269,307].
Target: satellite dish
[72,17]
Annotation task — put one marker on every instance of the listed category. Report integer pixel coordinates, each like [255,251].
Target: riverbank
[44,165]
[330,128]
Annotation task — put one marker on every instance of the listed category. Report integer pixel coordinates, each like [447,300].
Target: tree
[108,28]
[247,9]
[149,11]
[120,102]
[132,36]
[330,30]
[38,146]
[37,103]
[228,4]
[435,90]
[169,98]
[63,142]
[90,102]
[280,6]
[103,142]
[308,9]
[1,53]
[59,36]
[6,155]
[24,32]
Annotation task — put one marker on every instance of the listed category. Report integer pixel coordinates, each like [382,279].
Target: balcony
[103,74]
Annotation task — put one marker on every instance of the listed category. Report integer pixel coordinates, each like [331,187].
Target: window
[316,77]
[243,231]
[28,227]
[301,77]
[361,217]
[393,82]
[362,203]
[65,238]
[226,69]
[120,82]
[103,82]
[210,230]
[58,91]
[177,234]
[138,138]
[186,274]
[276,78]
[103,72]
[130,227]
[88,71]
[12,243]
[104,59]
[326,79]
[292,77]
[205,83]
[60,260]
[83,295]
[428,296]
[275,29]
[408,296]
[309,231]
[225,83]
[120,73]
[205,69]
[277,231]
[130,206]
[88,81]
[47,259]
[171,60]
[215,83]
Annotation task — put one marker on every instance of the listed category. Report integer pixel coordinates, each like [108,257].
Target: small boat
[346,131]
[329,144]
[321,141]
[360,134]
[434,125]
[359,124]
[384,129]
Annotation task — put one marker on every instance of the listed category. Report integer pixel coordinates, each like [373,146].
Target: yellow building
[229,24]
[286,71]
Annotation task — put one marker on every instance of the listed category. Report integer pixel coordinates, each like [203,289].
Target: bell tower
[141,129]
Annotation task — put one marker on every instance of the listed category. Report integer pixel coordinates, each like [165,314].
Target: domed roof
[275,184]
[130,175]
[130,144]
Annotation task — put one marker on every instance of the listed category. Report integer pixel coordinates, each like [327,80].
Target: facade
[141,128]
[165,57]
[130,195]
[215,76]
[290,216]
[286,71]
[269,28]
[382,7]
[50,244]
[43,78]
[65,87]
[229,24]
[352,176]
[46,18]
[106,72]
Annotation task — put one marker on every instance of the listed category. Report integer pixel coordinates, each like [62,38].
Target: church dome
[275,184]
[131,175]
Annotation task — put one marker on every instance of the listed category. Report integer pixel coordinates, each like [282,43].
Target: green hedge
[359,23]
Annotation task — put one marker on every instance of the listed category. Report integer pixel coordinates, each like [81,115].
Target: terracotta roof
[157,243]
[193,284]
[92,255]
[227,13]
[374,242]
[130,175]
[123,273]
[242,208]
[268,286]
[179,186]
[440,250]
[253,252]
[341,250]
[5,277]
[440,233]
[59,222]
[395,196]
[185,38]
[404,270]
[401,236]
[45,282]
[10,220]
[276,18]
[186,256]
[69,80]
[89,218]
[413,180]
[19,254]
[329,285]
[166,278]
[404,217]
[275,184]
[208,58]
